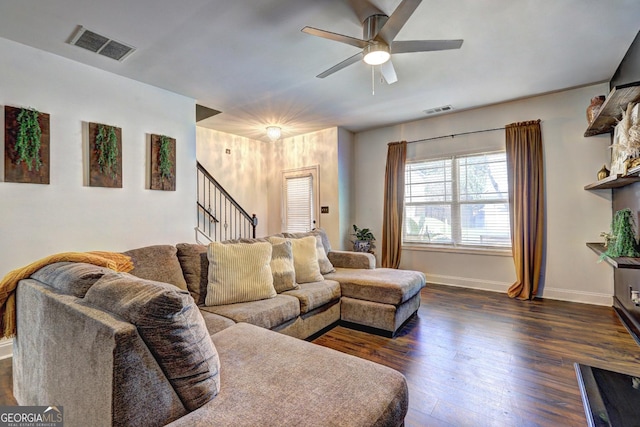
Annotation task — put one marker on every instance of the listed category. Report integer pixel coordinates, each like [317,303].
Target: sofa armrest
[349,259]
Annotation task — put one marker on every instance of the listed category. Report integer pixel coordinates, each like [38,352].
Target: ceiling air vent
[437,110]
[100,44]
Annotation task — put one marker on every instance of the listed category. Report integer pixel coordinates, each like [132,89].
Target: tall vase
[594,107]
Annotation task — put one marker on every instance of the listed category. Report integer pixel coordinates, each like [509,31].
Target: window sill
[458,250]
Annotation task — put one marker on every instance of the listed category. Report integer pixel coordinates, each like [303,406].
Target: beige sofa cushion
[171,325]
[314,295]
[159,263]
[384,285]
[304,384]
[239,272]
[266,313]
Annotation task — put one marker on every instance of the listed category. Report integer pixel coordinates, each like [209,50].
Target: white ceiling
[249,59]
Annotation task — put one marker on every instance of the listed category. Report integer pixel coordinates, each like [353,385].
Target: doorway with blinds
[301,199]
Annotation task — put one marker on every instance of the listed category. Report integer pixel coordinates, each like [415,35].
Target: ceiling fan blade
[408,46]
[398,18]
[351,60]
[388,72]
[336,37]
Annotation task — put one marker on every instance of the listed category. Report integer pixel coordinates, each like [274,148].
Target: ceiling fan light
[376,54]
[274,133]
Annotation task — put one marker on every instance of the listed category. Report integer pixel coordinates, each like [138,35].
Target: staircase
[220,217]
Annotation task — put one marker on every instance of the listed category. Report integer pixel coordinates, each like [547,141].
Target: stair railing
[220,217]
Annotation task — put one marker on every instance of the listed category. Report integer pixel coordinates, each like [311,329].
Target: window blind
[299,204]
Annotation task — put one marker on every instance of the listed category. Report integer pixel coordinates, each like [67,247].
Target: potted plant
[364,239]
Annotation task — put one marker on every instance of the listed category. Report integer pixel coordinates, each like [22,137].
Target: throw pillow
[159,263]
[305,258]
[282,268]
[171,326]
[239,272]
[323,260]
[195,267]
[315,232]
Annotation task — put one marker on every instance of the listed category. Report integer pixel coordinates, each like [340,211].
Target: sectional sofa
[144,348]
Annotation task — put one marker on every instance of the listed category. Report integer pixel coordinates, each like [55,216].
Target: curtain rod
[454,135]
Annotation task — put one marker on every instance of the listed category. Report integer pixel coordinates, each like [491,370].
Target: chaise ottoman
[381,298]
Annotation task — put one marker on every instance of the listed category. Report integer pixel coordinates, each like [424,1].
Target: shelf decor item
[622,242]
[26,139]
[163,163]
[603,173]
[594,107]
[105,159]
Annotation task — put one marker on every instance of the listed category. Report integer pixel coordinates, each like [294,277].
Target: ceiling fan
[377,43]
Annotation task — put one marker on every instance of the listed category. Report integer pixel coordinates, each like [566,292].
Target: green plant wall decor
[165,165]
[623,241]
[107,148]
[27,145]
[162,163]
[105,156]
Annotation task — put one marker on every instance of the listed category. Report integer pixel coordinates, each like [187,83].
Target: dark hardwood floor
[475,358]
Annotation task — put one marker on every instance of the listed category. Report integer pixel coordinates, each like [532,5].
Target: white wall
[242,172]
[345,187]
[574,216]
[38,220]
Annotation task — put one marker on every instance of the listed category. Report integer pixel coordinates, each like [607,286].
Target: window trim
[455,205]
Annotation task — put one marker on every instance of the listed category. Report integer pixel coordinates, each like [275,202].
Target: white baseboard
[6,348]
[549,293]
[466,282]
[578,296]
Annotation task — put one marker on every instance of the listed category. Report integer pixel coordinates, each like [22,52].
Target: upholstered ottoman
[381,298]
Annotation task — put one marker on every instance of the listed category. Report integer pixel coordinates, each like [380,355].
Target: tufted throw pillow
[171,326]
[282,268]
[159,263]
[239,272]
[71,278]
[305,258]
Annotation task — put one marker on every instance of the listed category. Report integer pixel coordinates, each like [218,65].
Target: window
[460,201]
[300,206]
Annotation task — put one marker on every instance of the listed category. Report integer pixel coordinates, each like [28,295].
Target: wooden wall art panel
[105,156]
[163,163]
[33,167]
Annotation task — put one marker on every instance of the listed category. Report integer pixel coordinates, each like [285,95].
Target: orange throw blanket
[112,260]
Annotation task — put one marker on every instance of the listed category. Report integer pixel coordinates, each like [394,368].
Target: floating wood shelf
[620,262]
[615,181]
[611,110]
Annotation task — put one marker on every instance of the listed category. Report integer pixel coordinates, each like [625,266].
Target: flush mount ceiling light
[274,133]
[376,54]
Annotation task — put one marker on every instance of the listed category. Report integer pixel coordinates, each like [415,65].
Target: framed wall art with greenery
[105,156]
[163,163]
[26,145]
